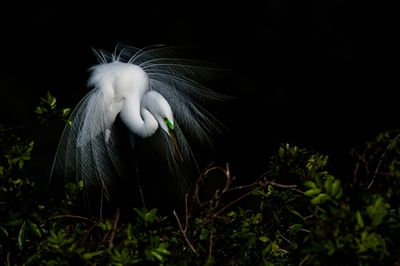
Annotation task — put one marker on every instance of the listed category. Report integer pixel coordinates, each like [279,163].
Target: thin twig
[114,230]
[211,243]
[281,185]
[230,204]
[88,233]
[184,233]
[308,217]
[304,260]
[284,238]
[105,236]
[284,251]
[186,212]
[243,187]
[13,128]
[71,216]
[259,183]
[361,159]
[8,259]
[355,172]
[388,148]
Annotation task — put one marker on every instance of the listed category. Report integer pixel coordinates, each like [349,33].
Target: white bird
[155,95]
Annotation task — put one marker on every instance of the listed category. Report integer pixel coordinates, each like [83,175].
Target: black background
[321,75]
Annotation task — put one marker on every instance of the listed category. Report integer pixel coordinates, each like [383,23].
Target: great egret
[155,95]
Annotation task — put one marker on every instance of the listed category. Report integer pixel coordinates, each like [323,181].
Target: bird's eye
[168,123]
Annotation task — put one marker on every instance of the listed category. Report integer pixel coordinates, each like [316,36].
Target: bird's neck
[138,120]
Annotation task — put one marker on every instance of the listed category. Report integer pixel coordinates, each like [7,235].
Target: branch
[71,216]
[280,185]
[114,229]
[388,148]
[230,204]
[88,233]
[211,243]
[184,233]
[13,128]
[8,259]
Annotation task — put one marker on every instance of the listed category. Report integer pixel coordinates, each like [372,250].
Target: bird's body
[126,90]
[154,96]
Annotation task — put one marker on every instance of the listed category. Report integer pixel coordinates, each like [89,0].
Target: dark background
[319,75]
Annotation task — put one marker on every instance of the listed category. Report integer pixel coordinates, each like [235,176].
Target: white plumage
[150,90]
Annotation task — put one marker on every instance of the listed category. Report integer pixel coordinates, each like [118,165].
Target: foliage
[47,109]
[297,213]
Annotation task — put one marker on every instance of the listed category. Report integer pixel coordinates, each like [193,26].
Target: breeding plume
[136,94]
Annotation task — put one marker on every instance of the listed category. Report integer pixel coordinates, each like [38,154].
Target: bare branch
[114,230]
[88,233]
[211,242]
[72,217]
[8,259]
[388,148]
[13,128]
[184,233]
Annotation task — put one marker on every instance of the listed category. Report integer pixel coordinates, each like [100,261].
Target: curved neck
[139,120]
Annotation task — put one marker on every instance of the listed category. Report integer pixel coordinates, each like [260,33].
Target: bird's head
[158,106]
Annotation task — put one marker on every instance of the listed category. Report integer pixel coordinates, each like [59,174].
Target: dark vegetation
[297,213]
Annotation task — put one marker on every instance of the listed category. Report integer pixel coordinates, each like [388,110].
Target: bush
[297,213]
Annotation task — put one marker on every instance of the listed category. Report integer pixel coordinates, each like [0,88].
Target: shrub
[297,213]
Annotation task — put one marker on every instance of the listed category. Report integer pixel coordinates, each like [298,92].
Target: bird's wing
[88,146]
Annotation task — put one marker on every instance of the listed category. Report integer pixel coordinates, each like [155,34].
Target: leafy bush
[297,213]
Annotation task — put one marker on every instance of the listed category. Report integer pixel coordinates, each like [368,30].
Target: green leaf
[313,191]
[150,215]
[157,256]
[203,234]
[21,164]
[26,157]
[339,194]
[263,239]
[310,184]
[65,112]
[35,229]
[328,184]
[297,214]
[51,100]
[39,110]
[89,255]
[281,152]
[275,248]
[295,228]
[231,214]
[15,222]
[335,187]
[162,249]
[21,235]
[106,225]
[2,229]
[360,221]
[30,145]
[140,212]
[377,211]
[81,185]
[321,198]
